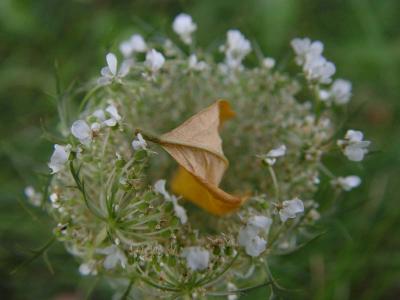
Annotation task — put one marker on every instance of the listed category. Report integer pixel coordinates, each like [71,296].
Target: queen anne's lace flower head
[118,224]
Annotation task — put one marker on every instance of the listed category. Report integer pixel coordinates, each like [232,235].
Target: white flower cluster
[271,157]
[197,258]
[249,235]
[34,197]
[184,26]
[235,49]
[59,158]
[290,209]
[353,145]
[309,55]
[118,223]
[111,73]
[135,44]
[347,183]
[339,93]
[180,212]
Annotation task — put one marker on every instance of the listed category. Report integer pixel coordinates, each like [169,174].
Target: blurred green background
[358,257]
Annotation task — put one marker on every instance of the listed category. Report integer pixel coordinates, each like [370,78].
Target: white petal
[180,212]
[349,182]
[159,187]
[125,67]
[112,63]
[81,130]
[290,209]
[110,122]
[104,81]
[85,269]
[99,114]
[29,192]
[105,72]
[256,246]
[111,261]
[126,48]
[184,26]
[112,110]
[139,143]
[268,62]
[196,258]
[95,127]
[138,44]
[354,153]
[260,222]
[59,158]
[154,60]
[354,135]
[246,233]
[277,152]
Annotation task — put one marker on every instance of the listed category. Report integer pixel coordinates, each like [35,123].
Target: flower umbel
[158,115]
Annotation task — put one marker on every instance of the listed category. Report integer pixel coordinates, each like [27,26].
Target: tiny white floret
[114,116]
[136,43]
[81,130]
[88,268]
[341,91]
[353,145]
[34,197]
[236,48]
[195,64]
[111,73]
[114,256]
[154,60]
[59,158]
[271,157]
[184,26]
[139,143]
[348,183]
[180,212]
[268,62]
[290,208]
[197,258]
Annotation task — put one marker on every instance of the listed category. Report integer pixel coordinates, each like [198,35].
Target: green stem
[275,182]
[87,97]
[36,254]
[147,136]
[128,290]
